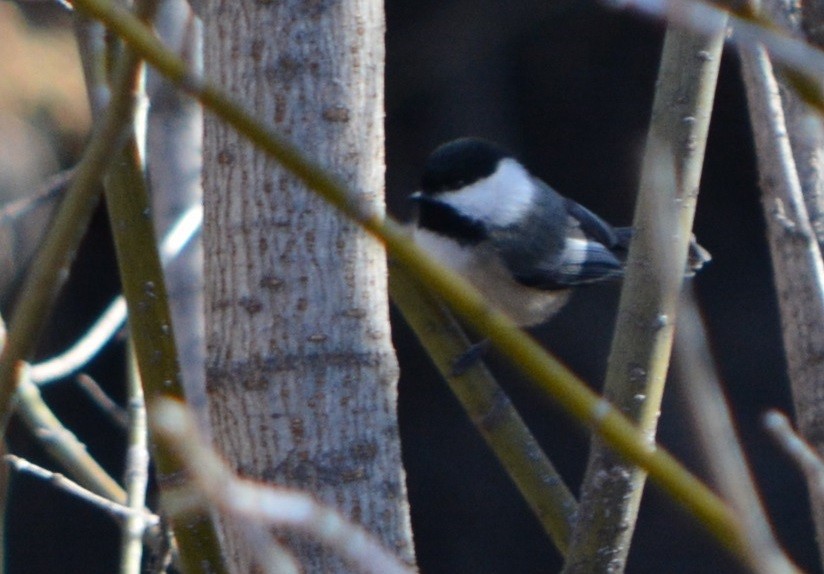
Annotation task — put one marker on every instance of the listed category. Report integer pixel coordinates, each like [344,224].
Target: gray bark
[301,374]
[796,257]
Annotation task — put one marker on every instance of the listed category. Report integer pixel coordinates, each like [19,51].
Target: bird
[520,243]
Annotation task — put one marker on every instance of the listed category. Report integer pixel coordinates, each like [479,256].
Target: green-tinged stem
[150,327]
[558,381]
[640,353]
[50,266]
[489,408]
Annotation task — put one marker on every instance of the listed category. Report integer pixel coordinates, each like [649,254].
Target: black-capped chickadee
[518,241]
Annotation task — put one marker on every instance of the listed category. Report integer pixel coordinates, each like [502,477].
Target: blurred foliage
[44,113]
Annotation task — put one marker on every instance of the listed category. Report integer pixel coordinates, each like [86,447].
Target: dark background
[568,87]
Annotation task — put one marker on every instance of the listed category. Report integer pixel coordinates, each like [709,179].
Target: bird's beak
[417,196]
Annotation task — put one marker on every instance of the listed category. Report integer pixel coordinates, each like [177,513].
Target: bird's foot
[468,358]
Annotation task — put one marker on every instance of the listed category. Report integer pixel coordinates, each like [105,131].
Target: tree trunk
[301,374]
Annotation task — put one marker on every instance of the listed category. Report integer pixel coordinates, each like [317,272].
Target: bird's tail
[697,256]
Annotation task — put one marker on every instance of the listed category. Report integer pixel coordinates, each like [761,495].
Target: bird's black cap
[459,163]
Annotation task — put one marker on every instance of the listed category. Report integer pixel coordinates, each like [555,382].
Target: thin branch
[489,408]
[152,333]
[713,424]
[265,504]
[802,452]
[136,477]
[804,125]
[85,348]
[554,378]
[143,283]
[113,509]
[23,224]
[91,44]
[62,444]
[174,164]
[797,265]
[67,450]
[104,402]
[50,266]
[269,554]
[803,61]
[641,344]
[114,317]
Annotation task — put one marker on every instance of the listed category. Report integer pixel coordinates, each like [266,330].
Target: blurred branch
[641,344]
[748,30]
[713,424]
[91,46]
[797,266]
[67,450]
[141,274]
[266,504]
[116,414]
[488,407]
[271,556]
[553,377]
[50,266]
[113,318]
[173,163]
[113,509]
[23,223]
[802,452]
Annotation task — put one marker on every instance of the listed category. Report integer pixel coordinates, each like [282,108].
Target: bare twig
[266,504]
[63,445]
[270,555]
[62,3]
[713,423]
[150,324]
[114,317]
[802,452]
[50,266]
[136,477]
[113,509]
[99,397]
[85,348]
[489,408]
[173,160]
[640,352]
[804,125]
[797,265]
[91,44]
[748,31]
[23,223]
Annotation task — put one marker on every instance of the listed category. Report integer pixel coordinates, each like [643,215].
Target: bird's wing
[592,251]
[592,226]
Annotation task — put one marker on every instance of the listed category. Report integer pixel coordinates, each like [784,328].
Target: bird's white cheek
[501,199]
